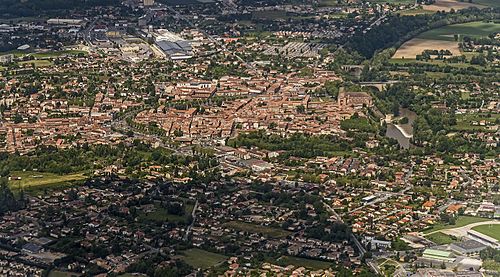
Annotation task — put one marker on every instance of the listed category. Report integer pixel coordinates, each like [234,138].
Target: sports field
[491,230]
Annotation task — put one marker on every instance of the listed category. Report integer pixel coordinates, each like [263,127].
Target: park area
[34,180]
[444,38]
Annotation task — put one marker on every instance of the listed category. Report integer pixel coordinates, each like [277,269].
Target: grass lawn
[491,230]
[35,180]
[307,263]
[253,228]
[471,29]
[198,258]
[461,221]
[161,214]
[440,238]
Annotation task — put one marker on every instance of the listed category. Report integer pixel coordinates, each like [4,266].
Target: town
[250,138]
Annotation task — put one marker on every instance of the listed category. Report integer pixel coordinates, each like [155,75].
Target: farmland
[447,5]
[444,38]
[416,46]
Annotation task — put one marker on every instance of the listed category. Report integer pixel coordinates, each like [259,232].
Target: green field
[440,238]
[31,180]
[37,63]
[489,3]
[465,121]
[198,258]
[491,230]
[303,262]
[471,29]
[253,228]
[161,214]
[461,221]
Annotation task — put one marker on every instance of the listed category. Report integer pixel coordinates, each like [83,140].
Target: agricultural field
[491,230]
[30,180]
[253,228]
[199,258]
[447,5]
[472,29]
[440,238]
[414,47]
[489,3]
[444,38]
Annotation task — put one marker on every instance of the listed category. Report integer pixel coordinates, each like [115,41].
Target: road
[361,248]
[388,194]
[193,215]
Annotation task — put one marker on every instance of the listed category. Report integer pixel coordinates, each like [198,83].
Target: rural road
[462,231]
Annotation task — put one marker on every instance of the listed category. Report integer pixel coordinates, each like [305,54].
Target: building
[149,3]
[467,247]
[489,241]
[354,99]
[438,255]
[6,58]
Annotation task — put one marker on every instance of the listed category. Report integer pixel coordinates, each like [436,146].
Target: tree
[301,109]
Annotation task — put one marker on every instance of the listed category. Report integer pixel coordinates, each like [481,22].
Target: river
[402,132]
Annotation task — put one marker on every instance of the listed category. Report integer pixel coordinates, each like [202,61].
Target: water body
[402,132]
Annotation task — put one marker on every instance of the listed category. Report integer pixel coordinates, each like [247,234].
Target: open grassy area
[253,228]
[32,180]
[161,214]
[471,29]
[37,63]
[198,258]
[491,230]
[440,238]
[461,221]
[307,263]
[468,122]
